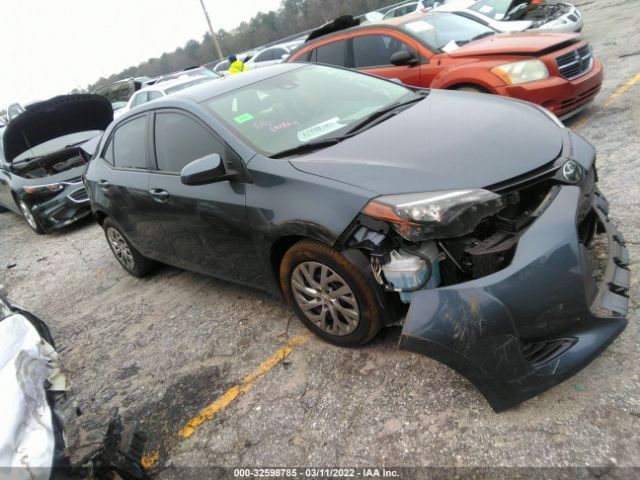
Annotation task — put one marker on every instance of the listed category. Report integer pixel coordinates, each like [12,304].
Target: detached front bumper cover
[524,329]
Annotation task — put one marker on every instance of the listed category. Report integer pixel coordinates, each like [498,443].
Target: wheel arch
[100,216]
[475,86]
[287,235]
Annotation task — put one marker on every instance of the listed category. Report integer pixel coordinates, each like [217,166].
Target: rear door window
[140,99]
[331,54]
[277,53]
[130,144]
[180,140]
[264,56]
[154,95]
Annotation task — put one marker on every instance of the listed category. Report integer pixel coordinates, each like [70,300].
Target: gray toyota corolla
[472,220]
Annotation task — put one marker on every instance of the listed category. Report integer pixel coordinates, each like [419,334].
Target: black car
[470,219]
[44,153]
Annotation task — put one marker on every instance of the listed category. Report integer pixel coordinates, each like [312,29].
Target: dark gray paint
[449,140]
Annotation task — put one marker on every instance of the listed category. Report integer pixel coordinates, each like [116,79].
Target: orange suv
[446,50]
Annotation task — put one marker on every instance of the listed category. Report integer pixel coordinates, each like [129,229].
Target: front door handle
[104,185]
[159,195]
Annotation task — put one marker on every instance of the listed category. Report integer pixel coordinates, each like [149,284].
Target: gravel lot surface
[159,350]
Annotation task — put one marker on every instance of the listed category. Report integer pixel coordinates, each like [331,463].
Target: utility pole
[214,37]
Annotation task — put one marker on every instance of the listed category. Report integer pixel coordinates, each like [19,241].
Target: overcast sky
[49,47]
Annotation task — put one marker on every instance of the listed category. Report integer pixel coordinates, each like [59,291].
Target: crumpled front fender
[520,331]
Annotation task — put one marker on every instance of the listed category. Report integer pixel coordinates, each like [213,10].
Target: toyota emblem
[572,171]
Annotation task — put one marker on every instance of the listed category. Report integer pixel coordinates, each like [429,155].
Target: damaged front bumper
[68,206]
[528,327]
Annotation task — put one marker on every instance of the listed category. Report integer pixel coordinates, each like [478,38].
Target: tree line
[292,17]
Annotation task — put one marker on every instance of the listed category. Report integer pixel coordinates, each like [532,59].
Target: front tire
[329,294]
[128,257]
[470,88]
[29,217]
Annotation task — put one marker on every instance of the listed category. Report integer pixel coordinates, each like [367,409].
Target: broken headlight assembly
[44,189]
[425,216]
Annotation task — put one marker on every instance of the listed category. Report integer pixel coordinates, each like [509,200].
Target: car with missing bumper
[449,51]
[519,15]
[44,153]
[359,206]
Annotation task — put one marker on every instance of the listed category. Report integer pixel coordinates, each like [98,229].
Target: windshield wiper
[383,114]
[477,37]
[377,117]
[309,146]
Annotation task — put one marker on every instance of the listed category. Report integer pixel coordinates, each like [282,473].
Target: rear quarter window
[130,144]
[331,54]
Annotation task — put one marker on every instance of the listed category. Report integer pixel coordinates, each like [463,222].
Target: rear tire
[329,294]
[29,218]
[128,257]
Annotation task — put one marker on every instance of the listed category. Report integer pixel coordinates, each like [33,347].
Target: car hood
[512,26]
[517,44]
[54,118]
[449,140]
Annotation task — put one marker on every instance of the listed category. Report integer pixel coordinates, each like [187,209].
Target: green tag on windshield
[245,117]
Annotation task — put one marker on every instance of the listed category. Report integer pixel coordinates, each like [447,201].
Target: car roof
[229,83]
[393,23]
[163,86]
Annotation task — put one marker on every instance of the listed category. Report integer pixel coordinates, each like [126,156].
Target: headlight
[39,189]
[522,72]
[424,216]
[554,23]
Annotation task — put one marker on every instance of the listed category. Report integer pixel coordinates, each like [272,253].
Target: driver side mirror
[404,57]
[205,170]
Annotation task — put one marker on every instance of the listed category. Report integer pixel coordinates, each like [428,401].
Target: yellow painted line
[222,402]
[149,460]
[234,392]
[621,90]
[611,99]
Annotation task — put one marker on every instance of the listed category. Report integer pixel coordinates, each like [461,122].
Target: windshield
[495,9]
[182,86]
[296,107]
[446,32]
[56,144]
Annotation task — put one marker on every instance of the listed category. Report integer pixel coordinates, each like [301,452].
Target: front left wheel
[329,294]
[30,218]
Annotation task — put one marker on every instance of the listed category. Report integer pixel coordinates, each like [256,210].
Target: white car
[422,6]
[519,15]
[162,89]
[272,55]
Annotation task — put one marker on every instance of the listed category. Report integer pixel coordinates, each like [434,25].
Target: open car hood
[54,118]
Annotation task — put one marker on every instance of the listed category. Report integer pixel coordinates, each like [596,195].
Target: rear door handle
[159,195]
[104,185]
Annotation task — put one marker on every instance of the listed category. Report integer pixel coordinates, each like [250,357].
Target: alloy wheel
[325,298]
[26,211]
[120,248]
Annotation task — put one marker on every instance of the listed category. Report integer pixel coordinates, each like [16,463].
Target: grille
[540,353]
[79,195]
[575,63]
